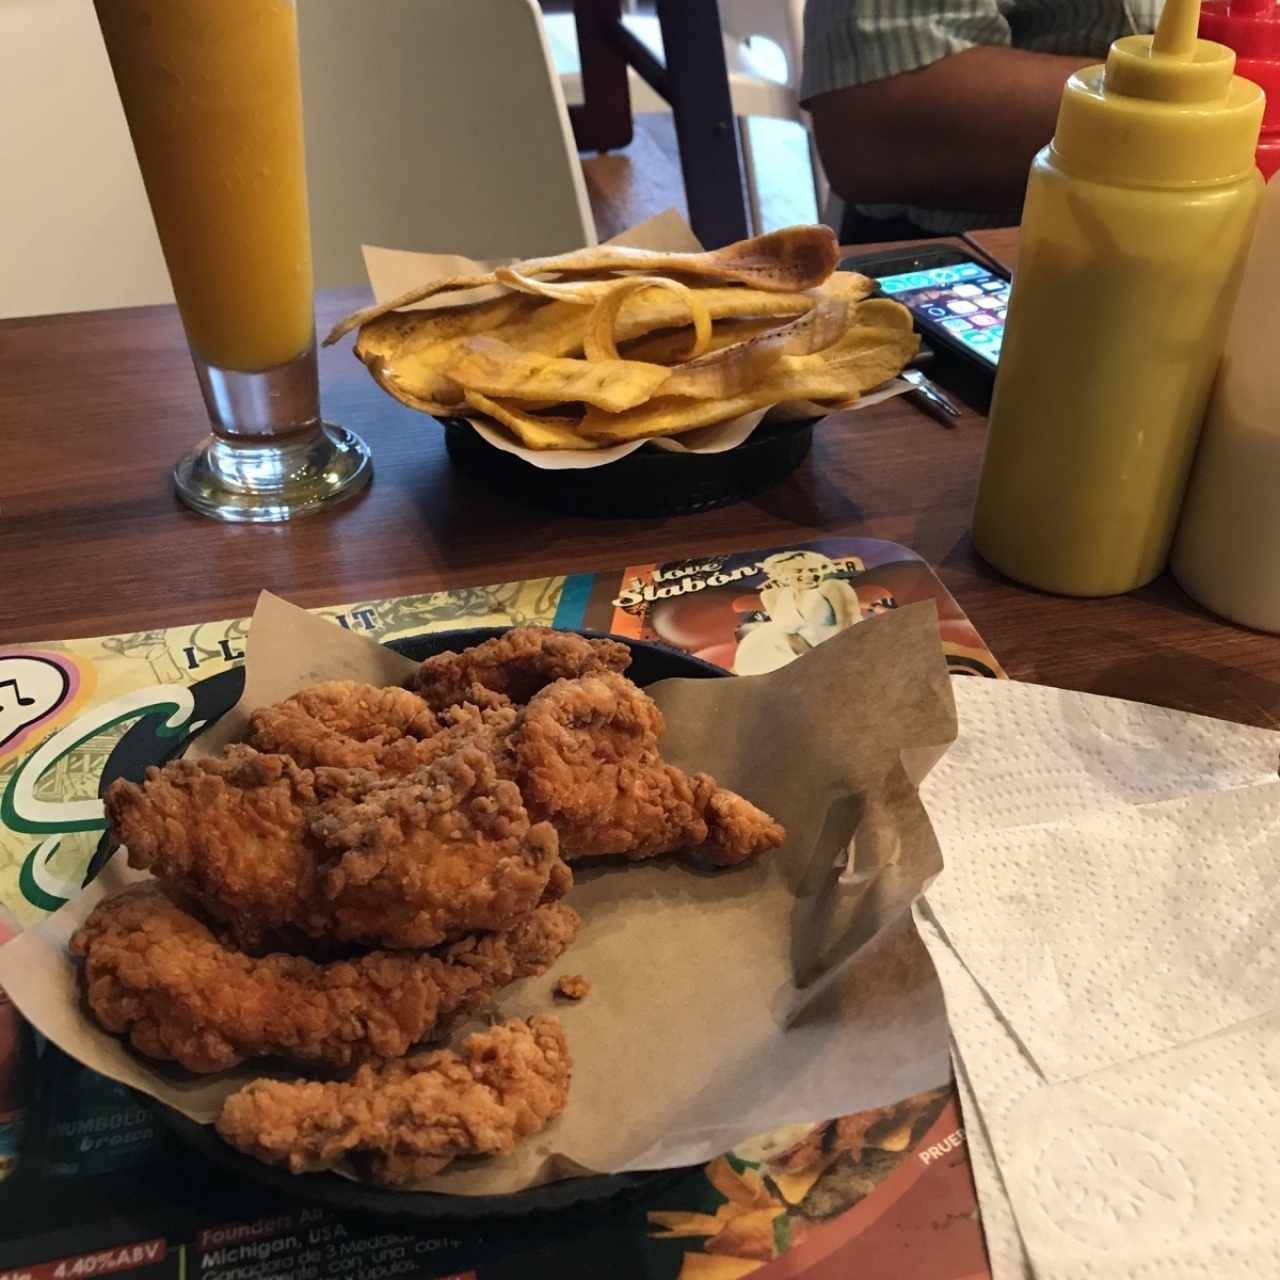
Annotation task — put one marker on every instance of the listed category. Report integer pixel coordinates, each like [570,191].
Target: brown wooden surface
[95,408]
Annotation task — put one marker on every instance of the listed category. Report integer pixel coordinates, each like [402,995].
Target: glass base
[269,482]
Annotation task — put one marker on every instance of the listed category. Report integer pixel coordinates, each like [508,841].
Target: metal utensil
[931,398]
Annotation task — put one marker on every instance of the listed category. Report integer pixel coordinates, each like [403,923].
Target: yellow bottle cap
[1167,110]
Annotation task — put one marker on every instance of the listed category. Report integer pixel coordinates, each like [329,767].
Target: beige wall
[438,126]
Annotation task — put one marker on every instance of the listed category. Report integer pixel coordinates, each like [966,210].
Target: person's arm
[959,133]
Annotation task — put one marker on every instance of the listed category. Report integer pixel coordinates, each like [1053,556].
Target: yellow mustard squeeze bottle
[1137,219]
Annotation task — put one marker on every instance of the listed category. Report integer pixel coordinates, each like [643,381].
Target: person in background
[928,113]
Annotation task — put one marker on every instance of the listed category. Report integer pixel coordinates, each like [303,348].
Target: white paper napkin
[1004,1245]
[1103,930]
[1028,754]
[992,1074]
[1123,933]
[1163,1167]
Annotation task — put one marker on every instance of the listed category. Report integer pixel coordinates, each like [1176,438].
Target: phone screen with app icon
[964,299]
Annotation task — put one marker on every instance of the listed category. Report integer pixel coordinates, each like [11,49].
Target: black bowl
[143,745]
[649,482]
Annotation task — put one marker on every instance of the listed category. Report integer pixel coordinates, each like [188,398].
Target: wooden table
[95,408]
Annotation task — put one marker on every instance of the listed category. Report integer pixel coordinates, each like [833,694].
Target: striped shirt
[850,42]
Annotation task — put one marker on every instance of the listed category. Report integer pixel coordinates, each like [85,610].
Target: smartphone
[958,301]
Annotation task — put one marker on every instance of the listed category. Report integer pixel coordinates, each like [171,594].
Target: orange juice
[212,93]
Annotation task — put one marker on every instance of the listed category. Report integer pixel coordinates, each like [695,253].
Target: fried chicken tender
[278,853]
[587,760]
[154,972]
[512,667]
[407,1120]
[230,831]
[389,731]
[348,726]
[449,849]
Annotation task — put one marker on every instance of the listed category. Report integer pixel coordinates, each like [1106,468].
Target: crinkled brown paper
[723,1003]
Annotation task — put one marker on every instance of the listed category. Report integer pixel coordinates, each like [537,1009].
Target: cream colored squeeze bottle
[1137,220]
[1227,552]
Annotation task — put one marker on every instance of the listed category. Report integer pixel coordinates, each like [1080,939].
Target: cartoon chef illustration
[807,602]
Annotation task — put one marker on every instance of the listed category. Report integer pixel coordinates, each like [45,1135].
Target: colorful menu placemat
[91,1184]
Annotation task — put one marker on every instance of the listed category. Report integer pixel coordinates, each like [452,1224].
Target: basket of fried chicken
[371,925]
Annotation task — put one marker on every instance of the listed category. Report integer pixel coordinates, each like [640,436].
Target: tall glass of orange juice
[212,93]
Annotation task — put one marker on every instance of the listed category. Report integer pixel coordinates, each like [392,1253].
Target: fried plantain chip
[875,356]
[407,331]
[445,284]
[534,430]
[414,370]
[670,346]
[496,368]
[789,260]
[583,293]
[847,286]
[599,342]
[651,309]
[733,370]
[450,401]
[559,328]
[407,352]
[882,312]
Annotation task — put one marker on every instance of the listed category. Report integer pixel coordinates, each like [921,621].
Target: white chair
[764,54]
[436,125]
[769,35]
[431,124]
